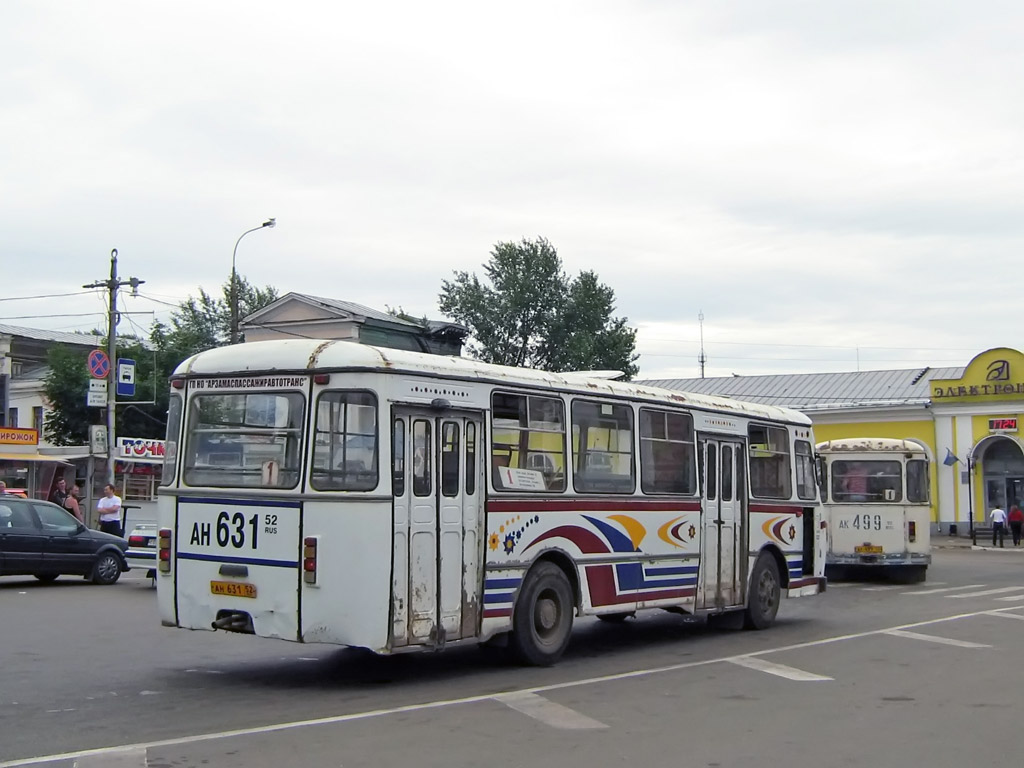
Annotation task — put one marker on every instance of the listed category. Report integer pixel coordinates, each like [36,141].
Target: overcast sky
[834,184]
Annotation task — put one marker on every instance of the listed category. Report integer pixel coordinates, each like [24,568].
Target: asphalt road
[869,674]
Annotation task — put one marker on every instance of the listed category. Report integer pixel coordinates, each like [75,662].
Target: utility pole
[112,285]
[701,358]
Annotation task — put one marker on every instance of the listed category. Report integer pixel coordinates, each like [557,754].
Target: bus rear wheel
[765,594]
[543,617]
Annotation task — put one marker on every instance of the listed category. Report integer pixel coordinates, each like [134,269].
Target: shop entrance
[1002,466]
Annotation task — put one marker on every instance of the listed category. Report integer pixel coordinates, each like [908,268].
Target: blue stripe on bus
[141,555]
[671,571]
[238,502]
[239,560]
[502,583]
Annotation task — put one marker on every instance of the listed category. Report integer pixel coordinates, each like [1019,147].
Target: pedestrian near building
[109,508]
[1016,518]
[72,504]
[998,517]
[60,493]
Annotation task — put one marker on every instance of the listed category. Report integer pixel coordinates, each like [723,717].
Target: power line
[43,296]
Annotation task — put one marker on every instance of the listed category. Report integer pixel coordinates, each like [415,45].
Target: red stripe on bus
[577,504]
[777,509]
[497,613]
[601,580]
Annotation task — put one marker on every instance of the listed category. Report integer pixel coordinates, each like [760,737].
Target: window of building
[804,470]
[602,447]
[527,442]
[771,470]
[12,417]
[345,442]
[667,462]
[37,419]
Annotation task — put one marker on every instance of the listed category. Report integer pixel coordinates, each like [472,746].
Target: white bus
[875,493]
[332,492]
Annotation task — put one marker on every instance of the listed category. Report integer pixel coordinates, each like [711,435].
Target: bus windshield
[245,440]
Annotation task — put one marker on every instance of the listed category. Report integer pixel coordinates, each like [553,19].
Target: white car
[141,552]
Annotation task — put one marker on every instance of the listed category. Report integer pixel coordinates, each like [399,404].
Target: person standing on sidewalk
[109,508]
[998,526]
[1016,518]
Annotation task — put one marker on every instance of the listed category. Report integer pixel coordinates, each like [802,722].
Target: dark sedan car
[40,539]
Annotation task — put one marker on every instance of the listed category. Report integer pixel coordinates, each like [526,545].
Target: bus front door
[438,523]
[722,556]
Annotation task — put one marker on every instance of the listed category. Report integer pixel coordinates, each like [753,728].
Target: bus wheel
[765,594]
[543,616]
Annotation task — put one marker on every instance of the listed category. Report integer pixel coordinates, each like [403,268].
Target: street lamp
[268,224]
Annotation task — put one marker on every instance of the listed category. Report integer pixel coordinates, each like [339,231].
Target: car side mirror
[80,529]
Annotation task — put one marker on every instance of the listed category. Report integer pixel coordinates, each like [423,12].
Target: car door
[21,538]
[67,547]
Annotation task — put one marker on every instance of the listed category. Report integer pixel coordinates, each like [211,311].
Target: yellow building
[968,418]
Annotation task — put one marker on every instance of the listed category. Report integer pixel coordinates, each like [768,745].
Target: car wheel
[46,578]
[107,569]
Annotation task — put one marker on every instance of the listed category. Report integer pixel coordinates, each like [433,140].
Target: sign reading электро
[16,436]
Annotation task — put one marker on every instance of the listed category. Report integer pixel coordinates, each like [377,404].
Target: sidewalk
[964,542]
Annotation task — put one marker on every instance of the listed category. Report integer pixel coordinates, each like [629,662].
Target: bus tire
[542,622]
[765,594]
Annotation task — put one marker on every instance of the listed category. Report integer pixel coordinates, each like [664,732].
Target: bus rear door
[722,524]
[438,524]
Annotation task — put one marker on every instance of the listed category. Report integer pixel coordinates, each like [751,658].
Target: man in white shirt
[109,508]
[998,525]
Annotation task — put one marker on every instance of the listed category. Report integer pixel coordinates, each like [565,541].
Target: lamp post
[268,224]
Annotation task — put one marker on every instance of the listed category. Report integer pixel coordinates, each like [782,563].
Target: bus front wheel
[543,616]
[765,594]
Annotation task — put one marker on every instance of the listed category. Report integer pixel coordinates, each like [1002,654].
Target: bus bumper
[812,585]
[896,558]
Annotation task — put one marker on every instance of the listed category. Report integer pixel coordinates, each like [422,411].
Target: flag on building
[950,459]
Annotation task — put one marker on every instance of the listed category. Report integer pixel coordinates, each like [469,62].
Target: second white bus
[875,494]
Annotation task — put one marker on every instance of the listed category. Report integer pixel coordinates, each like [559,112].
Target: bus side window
[471,468]
[421,456]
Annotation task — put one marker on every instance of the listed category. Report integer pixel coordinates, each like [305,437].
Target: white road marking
[130,757]
[438,704]
[1011,598]
[934,639]
[1007,615]
[781,670]
[549,712]
[937,591]
[881,589]
[986,592]
[840,584]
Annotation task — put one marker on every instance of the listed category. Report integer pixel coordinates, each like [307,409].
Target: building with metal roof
[968,417]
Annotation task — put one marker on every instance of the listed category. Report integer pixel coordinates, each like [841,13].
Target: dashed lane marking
[443,703]
[881,589]
[780,670]
[1007,615]
[549,712]
[987,592]
[129,757]
[1011,598]
[934,639]
[944,589]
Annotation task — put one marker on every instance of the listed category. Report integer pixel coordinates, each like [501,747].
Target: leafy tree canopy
[527,312]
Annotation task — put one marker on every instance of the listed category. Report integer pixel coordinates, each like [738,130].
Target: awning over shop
[36,457]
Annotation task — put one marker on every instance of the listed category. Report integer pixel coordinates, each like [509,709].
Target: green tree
[66,387]
[527,312]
